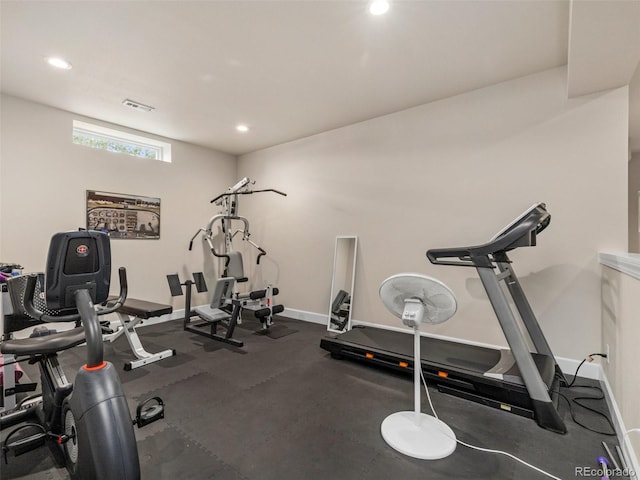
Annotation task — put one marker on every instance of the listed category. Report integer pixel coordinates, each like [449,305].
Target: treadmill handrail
[537,219]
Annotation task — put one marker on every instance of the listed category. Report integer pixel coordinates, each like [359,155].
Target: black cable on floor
[579,400]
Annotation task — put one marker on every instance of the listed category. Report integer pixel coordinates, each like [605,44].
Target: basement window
[111,140]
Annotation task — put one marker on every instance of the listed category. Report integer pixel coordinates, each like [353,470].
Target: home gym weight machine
[221,323]
[89,418]
[260,302]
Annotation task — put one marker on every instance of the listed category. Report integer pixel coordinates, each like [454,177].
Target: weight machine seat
[143,309]
[210,314]
[45,345]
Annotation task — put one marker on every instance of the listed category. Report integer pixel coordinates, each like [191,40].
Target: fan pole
[414,433]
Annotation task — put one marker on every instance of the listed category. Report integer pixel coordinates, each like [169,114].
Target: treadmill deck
[454,367]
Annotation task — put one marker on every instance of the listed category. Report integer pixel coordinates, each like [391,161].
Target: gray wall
[43,182]
[452,173]
[444,174]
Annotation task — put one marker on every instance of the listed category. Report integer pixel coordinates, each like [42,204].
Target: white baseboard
[305,316]
[288,312]
[569,366]
[621,430]
[589,370]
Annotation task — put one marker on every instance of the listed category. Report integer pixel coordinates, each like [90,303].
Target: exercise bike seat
[44,345]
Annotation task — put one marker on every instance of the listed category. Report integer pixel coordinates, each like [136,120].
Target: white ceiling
[290,69]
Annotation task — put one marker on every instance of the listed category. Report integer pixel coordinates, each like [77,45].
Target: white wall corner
[305,316]
[628,263]
[621,429]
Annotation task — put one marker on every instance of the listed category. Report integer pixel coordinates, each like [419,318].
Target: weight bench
[132,313]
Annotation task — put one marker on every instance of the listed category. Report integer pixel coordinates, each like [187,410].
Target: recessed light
[59,63]
[378,7]
[242,128]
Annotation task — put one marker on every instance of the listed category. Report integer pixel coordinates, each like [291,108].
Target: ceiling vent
[137,106]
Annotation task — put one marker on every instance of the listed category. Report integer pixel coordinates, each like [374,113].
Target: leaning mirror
[342,283]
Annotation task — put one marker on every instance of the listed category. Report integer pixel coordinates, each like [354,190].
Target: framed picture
[123,216]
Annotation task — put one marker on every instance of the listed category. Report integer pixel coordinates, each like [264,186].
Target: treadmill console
[537,212]
[521,232]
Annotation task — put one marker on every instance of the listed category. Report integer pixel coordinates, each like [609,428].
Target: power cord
[481,449]
[579,400]
[588,358]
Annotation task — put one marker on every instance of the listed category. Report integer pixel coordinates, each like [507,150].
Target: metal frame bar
[127,327]
[545,412]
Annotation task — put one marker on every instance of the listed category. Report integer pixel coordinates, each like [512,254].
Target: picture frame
[124,216]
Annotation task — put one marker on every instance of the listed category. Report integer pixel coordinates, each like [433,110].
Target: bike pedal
[146,414]
[24,444]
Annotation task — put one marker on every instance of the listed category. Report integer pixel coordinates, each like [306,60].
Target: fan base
[418,435]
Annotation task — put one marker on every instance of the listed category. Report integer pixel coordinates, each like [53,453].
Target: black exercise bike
[90,418]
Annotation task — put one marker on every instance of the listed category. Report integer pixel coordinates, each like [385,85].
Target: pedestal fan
[417,298]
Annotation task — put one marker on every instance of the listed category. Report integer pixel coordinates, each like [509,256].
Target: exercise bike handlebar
[92,330]
[33,312]
[124,290]
[86,312]
[248,192]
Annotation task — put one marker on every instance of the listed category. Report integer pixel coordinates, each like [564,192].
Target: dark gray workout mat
[281,408]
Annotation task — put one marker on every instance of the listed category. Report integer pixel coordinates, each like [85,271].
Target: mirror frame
[347,283]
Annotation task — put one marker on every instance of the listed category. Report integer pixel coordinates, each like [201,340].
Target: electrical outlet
[608,352]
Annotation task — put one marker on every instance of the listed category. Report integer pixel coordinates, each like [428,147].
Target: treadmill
[515,380]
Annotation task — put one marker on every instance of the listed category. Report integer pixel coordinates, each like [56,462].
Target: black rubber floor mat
[276,331]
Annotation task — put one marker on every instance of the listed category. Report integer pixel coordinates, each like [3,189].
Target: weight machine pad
[144,309]
[212,315]
[235,267]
